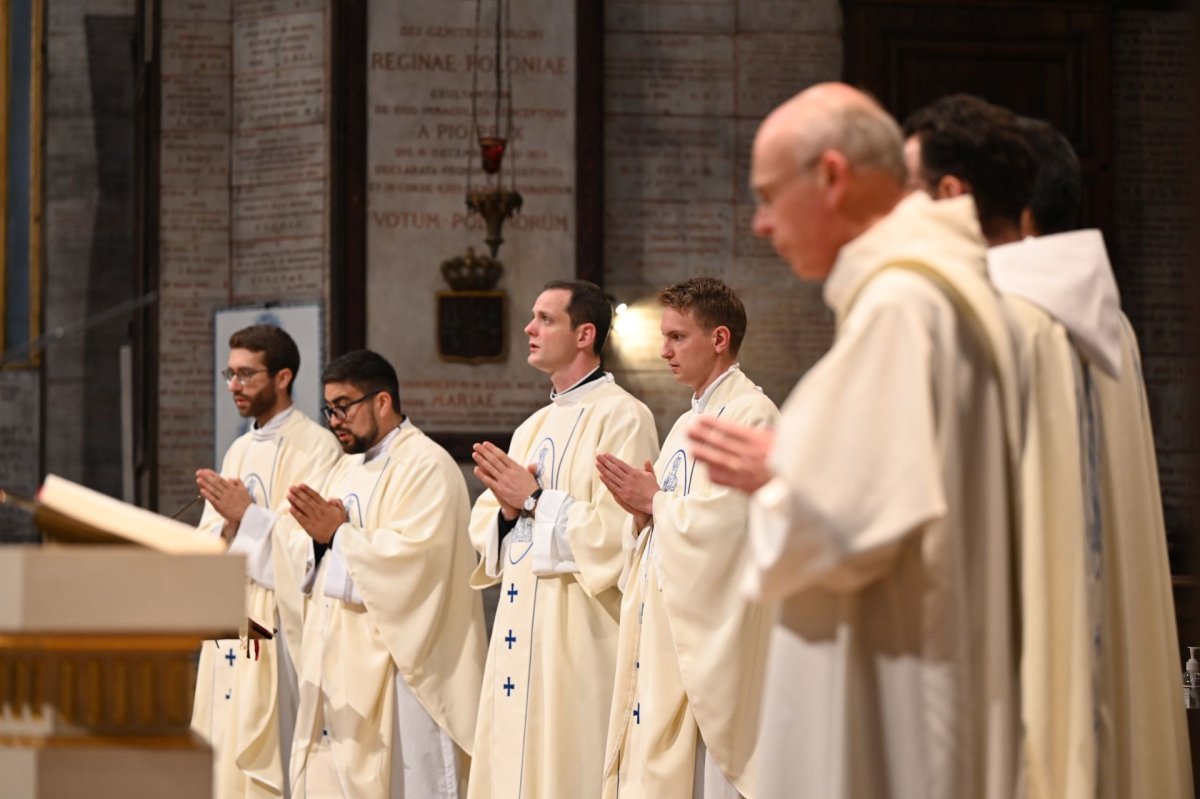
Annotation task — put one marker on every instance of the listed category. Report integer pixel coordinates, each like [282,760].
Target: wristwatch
[530,503]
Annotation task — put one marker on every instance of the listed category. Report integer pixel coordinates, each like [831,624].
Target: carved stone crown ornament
[472,272]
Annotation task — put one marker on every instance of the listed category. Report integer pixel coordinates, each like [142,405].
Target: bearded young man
[393,643]
[245,704]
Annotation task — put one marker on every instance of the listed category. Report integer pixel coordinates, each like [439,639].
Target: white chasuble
[245,704]
[1144,724]
[393,643]
[1100,708]
[543,711]
[888,531]
[692,649]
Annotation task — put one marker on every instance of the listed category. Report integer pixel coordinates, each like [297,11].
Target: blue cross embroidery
[637,713]
[510,639]
[508,686]
[231,657]
[512,593]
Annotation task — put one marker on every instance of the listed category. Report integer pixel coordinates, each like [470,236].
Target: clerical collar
[701,402]
[582,386]
[378,449]
[273,425]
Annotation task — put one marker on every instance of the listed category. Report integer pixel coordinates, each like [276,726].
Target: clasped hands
[631,487]
[319,517]
[509,481]
[228,496]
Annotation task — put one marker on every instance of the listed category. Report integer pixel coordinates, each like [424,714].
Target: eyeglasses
[242,376]
[766,194]
[340,412]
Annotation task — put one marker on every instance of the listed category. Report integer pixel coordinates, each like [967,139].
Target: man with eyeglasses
[883,506]
[393,642]
[245,704]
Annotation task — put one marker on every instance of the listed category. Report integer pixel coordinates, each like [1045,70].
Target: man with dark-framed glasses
[393,636]
[246,698]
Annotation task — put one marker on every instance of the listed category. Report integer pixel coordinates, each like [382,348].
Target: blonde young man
[246,699]
[393,641]
[684,719]
[883,508]
[549,531]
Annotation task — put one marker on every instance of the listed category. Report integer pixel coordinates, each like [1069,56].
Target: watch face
[530,502]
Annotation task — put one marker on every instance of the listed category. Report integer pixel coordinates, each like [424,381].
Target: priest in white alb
[692,652]
[246,699]
[883,509]
[548,530]
[393,642]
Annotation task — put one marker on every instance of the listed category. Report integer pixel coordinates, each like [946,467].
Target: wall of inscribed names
[244,194]
[1152,249]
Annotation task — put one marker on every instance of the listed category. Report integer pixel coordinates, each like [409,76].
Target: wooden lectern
[97,650]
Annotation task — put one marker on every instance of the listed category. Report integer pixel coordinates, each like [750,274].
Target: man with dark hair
[278,349]
[393,637]
[587,305]
[246,706]
[549,531]
[882,505]
[964,145]
[1099,637]
[684,718]
[1058,186]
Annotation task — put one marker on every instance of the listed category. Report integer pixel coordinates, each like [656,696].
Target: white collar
[273,425]
[377,450]
[579,388]
[1069,277]
[701,402]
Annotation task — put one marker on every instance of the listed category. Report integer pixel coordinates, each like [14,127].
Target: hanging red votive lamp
[491,152]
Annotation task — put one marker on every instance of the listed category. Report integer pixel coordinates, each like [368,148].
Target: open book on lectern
[70,513]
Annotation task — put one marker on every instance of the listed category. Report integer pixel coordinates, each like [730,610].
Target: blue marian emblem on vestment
[257,489]
[677,465]
[523,532]
[353,507]
[545,452]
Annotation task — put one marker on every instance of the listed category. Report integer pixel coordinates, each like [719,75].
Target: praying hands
[508,480]
[632,488]
[319,517]
[229,497]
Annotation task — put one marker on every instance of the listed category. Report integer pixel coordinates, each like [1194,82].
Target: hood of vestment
[1068,275]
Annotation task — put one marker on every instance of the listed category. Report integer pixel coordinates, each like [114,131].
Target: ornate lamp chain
[512,173]
[470,148]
